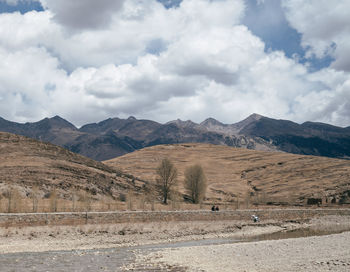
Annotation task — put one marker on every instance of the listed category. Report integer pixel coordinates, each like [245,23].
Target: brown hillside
[248,175]
[27,164]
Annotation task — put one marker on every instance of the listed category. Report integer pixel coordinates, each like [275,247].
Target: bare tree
[53,200]
[14,200]
[35,198]
[195,183]
[9,195]
[167,178]
[74,199]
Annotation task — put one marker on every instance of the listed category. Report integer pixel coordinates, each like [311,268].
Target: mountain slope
[309,138]
[239,174]
[26,164]
[103,146]
[55,130]
[214,125]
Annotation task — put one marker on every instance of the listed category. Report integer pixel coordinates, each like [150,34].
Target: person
[217,208]
[255,218]
[213,208]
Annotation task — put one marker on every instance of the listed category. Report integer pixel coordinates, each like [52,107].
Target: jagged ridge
[114,137]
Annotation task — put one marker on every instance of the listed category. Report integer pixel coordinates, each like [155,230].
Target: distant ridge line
[115,136]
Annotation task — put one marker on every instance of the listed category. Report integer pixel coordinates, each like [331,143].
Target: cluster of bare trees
[195,181]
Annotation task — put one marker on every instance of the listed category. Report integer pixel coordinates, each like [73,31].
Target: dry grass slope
[37,176]
[246,175]
[31,171]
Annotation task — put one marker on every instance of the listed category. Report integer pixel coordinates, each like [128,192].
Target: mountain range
[115,137]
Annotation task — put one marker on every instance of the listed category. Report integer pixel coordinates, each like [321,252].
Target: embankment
[59,219]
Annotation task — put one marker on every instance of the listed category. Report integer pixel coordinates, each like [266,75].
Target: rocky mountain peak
[184,124]
[249,120]
[214,125]
[59,122]
[255,116]
[211,122]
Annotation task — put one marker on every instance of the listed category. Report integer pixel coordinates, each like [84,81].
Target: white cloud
[331,102]
[28,79]
[203,63]
[32,29]
[324,26]
[87,14]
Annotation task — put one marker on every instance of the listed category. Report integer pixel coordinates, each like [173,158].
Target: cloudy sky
[89,60]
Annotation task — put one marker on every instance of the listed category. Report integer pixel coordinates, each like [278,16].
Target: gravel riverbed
[178,246]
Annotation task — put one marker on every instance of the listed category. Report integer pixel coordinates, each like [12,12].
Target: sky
[88,60]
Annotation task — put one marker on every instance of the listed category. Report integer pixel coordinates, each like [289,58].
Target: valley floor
[317,253]
[53,238]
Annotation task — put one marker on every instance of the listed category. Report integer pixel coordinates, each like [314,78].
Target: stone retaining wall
[40,219]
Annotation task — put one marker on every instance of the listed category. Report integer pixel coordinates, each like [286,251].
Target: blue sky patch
[170,3]
[21,6]
[266,19]
[156,46]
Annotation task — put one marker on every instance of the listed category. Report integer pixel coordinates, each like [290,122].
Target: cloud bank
[325,28]
[191,61]
[87,14]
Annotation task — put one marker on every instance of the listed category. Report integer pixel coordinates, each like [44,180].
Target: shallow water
[202,242]
[298,233]
[117,258]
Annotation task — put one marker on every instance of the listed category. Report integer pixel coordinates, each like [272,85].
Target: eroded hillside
[259,176]
[27,165]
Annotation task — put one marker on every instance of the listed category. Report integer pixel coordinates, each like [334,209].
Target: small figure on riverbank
[213,208]
[255,218]
[217,208]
